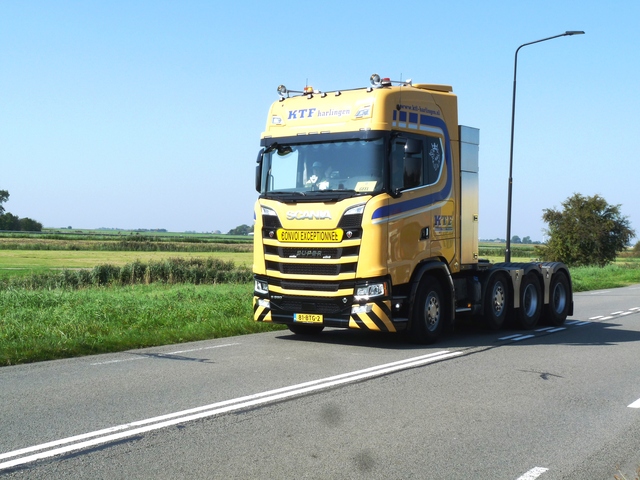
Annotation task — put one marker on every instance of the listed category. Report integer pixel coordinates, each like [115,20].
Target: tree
[241,230]
[588,231]
[9,221]
[30,225]
[4,196]
[516,239]
[527,240]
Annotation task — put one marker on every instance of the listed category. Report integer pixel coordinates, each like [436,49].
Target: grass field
[134,307]
[41,325]
[39,321]
[24,262]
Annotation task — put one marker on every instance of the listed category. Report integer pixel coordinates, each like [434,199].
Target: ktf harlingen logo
[443,223]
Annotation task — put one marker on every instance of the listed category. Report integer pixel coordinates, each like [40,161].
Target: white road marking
[202,348]
[523,337]
[635,404]
[616,313]
[577,323]
[533,473]
[510,337]
[177,352]
[106,435]
[122,360]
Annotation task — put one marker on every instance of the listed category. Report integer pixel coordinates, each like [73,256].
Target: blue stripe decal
[435,197]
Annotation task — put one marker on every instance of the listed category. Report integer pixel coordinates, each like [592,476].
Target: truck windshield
[351,166]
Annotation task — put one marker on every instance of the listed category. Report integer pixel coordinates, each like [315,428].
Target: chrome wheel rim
[432,312]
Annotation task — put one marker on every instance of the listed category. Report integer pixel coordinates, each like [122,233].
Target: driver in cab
[319,177]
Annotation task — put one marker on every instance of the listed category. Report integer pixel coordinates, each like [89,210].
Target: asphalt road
[549,404]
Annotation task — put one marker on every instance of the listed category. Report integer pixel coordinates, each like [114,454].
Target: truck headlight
[355,210]
[260,286]
[365,292]
[268,211]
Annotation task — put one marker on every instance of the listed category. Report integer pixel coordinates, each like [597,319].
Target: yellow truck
[367,218]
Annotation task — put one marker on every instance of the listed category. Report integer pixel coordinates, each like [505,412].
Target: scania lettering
[367,218]
[302,215]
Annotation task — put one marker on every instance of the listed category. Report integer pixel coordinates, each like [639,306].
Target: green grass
[195,271]
[38,325]
[21,261]
[112,234]
[612,276]
[71,298]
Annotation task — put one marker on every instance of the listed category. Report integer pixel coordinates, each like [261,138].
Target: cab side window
[415,161]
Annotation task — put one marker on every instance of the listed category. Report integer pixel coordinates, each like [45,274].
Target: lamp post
[507,253]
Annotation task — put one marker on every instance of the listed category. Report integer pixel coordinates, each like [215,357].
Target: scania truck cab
[367,218]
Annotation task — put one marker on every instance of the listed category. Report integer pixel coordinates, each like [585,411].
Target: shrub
[195,271]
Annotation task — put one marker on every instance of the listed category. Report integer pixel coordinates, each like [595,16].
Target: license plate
[310,236]
[307,318]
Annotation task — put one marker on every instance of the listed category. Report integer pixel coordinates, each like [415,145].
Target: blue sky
[147,114]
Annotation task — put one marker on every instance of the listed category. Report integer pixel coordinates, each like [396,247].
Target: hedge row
[126,246]
[171,271]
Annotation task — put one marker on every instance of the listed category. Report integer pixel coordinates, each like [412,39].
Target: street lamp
[507,253]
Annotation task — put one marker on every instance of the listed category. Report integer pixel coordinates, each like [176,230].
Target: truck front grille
[313,285]
[315,267]
[301,305]
[312,269]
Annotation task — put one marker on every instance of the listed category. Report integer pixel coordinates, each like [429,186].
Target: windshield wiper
[281,193]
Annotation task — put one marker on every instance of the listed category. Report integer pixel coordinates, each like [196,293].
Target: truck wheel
[429,313]
[555,313]
[301,329]
[496,302]
[530,302]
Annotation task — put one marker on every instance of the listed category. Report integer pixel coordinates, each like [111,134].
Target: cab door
[420,203]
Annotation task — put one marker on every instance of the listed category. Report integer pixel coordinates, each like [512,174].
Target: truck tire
[496,302]
[530,309]
[429,312]
[556,311]
[302,329]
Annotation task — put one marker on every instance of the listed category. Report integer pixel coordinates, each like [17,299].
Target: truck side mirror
[259,170]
